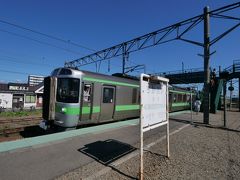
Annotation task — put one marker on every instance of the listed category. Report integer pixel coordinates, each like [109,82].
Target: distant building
[34,80]
[20,96]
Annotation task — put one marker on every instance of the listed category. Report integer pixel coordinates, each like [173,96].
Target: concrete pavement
[56,157]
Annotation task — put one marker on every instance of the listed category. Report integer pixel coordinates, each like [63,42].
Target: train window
[188,98]
[134,95]
[175,98]
[184,98]
[65,72]
[179,98]
[87,93]
[55,72]
[170,97]
[68,90]
[107,95]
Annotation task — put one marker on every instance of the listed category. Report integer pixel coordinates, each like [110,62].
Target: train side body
[73,97]
[98,98]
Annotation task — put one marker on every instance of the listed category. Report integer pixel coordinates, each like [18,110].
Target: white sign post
[154,108]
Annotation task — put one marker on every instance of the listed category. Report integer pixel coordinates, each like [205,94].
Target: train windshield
[68,90]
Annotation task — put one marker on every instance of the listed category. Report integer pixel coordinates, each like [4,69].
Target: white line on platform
[131,155]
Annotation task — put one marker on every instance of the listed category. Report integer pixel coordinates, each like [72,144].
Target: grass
[21,113]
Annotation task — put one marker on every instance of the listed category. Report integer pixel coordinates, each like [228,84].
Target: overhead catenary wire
[17,72]
[28,63]
[41,42]
[46,35]
[9,54]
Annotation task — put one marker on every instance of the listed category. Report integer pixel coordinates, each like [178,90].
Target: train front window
[68,90]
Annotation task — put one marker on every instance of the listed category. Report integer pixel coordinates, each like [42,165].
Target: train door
[170,97]
[49,98]
[87,99]
[108,103]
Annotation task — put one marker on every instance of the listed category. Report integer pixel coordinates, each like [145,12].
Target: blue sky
[100,24]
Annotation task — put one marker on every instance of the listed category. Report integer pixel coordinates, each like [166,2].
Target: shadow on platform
[33,131]
[197,124]
[108,151]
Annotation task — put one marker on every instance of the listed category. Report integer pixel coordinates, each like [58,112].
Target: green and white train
[73,97]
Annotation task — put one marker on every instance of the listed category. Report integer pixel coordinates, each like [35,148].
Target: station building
[18,96]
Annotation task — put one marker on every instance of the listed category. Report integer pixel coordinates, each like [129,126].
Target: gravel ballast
[196,152]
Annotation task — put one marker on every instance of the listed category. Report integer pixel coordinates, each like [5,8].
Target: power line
[38,41]
[29,63]
[17,72]
[6,54]
[47,35]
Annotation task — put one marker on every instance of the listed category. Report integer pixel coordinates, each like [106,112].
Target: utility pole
[231,92]
[206,66]
[224,102]
[239,94]
[125,58]
[182,67]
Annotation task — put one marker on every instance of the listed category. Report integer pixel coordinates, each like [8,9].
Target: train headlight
[64,110]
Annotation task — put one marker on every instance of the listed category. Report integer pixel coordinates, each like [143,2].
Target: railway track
[12,126]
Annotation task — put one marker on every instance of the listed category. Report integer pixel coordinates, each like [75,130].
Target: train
[75,97]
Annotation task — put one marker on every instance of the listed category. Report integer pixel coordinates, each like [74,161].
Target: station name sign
[18,88]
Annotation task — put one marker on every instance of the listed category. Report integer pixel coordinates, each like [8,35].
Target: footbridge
[196,75]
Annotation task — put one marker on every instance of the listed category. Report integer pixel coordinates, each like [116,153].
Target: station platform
[79,154]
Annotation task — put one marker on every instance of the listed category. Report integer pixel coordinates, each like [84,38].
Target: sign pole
[191,109]
[167,135]
[141,140]
[154,108]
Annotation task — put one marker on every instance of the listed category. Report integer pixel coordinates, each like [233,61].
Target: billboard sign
[154,108]
[154,101]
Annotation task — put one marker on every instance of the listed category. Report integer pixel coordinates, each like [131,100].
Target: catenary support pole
[239,94]
[224,102]
[125,58]
[231,92]
[206,66]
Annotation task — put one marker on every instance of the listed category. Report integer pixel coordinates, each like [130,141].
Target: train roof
[69,71]
[117,77]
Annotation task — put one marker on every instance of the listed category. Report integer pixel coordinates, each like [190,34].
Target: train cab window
[68,90]
[107,95]
[87,92]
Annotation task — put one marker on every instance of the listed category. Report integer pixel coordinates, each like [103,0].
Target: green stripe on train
[109,82]
[68,110]
[86,110]
[180,92]
[96,109]
[126,107]
[180,104]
